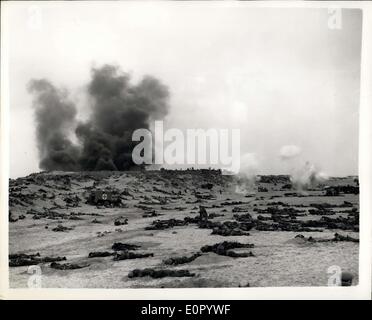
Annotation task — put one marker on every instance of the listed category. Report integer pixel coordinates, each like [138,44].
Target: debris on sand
[351,222]
[159,273]
[22,259]
[72,201]
[225,249]
[99,254]
[231,228]
[215,215]
[336,238]
[67,266]
[106,198]
[151,213]
[165,224]
[61,228]
[96,221]
[321,212]
[281,225]
[120,221]
[118,246]
[102,234]
[345,189]
[181,260]
[124,255]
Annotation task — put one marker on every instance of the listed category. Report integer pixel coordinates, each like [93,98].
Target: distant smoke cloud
[105,140]
[289,151]
[245,179]
[55,118]
[307,176]
[303,174]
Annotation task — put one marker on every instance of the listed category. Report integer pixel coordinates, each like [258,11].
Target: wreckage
[104,198]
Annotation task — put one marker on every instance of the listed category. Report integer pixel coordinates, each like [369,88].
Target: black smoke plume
[55,118]
[105,140]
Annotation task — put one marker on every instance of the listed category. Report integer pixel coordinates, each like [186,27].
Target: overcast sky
[280,75]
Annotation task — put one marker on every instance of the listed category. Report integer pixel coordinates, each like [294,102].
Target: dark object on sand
[159,273]
[181,260]
[61,228]
[232,228]
[120,221]
[224,249]
[165,224]
[346,279]
[96,254]
[67,266]
[124,255]
[118,246]
[104,197]
[336,238]
[22,259]
[151,213]
[203,216]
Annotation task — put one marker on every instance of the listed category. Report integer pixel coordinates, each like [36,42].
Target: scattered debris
[67,266]
[118,246]
[120,221]
[224,249]
[100,254]
[159,273]
[22,259]
[61,228]
[165,224]
[124,255]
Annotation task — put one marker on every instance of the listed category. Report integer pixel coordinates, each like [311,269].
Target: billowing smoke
[246,178]
[307,176]
[55,118]
[303,174]
[105,140]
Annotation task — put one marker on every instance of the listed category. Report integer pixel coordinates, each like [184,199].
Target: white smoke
[245,179]
[307,176]
[303,174]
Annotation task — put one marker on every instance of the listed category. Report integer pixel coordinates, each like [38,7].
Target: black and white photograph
[182,144]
